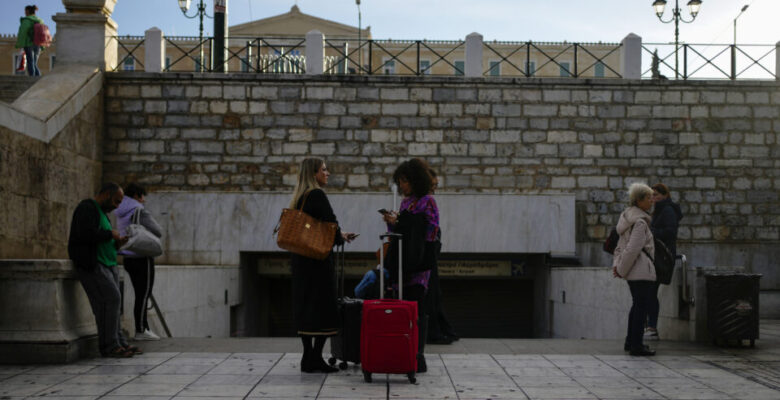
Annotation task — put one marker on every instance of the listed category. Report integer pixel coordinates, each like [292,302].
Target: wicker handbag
[305,235]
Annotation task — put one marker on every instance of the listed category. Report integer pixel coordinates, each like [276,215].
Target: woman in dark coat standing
[314,281]
[666,221]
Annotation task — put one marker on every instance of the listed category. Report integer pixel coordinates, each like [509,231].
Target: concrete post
[631,57]
[86,34]
[315,52]
[154,50]
[777,61]
[474,54]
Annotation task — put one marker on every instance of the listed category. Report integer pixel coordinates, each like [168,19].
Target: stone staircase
[12,86]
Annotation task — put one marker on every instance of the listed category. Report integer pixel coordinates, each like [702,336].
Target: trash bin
[732,306]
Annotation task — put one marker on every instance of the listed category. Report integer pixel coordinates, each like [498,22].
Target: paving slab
[195,369]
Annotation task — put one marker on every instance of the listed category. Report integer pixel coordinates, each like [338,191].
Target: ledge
[52,102]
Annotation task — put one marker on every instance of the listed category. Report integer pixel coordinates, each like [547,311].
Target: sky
[516,20]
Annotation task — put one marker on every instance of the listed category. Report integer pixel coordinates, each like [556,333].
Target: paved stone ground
[470,369]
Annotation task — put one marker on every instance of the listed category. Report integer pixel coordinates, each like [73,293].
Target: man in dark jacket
[664,225]
[92,246]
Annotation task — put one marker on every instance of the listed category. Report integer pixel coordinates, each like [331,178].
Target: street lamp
[185,6]
[745,7]
[693,5]
[360,34]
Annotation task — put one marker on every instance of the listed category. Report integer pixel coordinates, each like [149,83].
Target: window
[17,58]
[167,63]
[198,66]
[388,67]
[52,61]
[460,68]
[495,68]
[565,69]
[129,64]
[245,64]
[425,67]
[530,68]
[598,70]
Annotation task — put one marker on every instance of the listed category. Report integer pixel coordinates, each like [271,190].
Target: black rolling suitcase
[346,345]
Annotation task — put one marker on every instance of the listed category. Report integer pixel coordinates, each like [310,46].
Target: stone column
[86,34]
[154,50]
[474,55]
[631,57]
[315,52]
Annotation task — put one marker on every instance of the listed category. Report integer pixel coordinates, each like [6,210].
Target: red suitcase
[388,331]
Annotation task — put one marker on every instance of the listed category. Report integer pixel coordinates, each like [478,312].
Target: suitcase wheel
[343,365]
[367,376]
[332,361]
[411,377]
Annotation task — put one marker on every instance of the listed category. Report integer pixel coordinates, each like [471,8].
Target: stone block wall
[716,144]
[41,184]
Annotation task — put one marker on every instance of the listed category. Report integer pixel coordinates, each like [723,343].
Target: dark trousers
[32,54]
[438,325]
[655,307]
[417,293]
[141,271]
[641,296]
[102,288]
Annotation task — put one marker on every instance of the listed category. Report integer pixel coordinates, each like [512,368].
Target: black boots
[312,355]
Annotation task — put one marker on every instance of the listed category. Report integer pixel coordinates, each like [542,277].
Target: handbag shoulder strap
[137,215]
[305,196]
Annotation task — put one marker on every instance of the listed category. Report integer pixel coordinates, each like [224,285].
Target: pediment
[297,24]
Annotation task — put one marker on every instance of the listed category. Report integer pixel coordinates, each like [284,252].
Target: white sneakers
[146,335]
[650,334]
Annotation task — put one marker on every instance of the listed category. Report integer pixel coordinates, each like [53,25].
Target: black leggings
[141,271]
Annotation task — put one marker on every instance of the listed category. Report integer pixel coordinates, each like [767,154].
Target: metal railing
[282,55]
[188,46]
[126,47]
[584,57]
[436,51]
[709,61]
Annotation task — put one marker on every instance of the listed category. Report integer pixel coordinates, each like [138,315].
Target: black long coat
[665,222]
[314,281]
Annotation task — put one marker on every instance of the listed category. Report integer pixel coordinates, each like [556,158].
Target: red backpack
[41,35]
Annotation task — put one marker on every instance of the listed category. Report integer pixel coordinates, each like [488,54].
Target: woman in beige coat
[632,262]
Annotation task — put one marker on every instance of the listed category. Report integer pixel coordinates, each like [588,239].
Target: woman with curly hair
[418,220]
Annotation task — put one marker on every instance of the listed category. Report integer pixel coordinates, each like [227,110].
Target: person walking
[140,268]
[25,39]
[314,281]
[632,262]
[664,225]
[414,182]
[92,246]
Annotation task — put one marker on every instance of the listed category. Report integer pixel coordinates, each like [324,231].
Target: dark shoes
[135,350]
[316,365]
[645,351]
[626,348]
[119,352]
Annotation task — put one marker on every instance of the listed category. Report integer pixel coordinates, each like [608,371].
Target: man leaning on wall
[92,246]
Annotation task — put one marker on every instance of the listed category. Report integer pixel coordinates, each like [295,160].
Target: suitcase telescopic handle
[390,235]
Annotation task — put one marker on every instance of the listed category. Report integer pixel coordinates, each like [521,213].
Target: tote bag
[302,234]
[140,240]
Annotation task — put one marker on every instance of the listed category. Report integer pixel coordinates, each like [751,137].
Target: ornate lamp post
[185,6]
[659,6]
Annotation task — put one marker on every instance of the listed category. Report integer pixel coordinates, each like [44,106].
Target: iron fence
[412,57]
[708,61]
[597,60]
[438,57]
[126,48]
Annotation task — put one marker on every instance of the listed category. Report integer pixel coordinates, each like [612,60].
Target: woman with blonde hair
[632,262]
[314,281]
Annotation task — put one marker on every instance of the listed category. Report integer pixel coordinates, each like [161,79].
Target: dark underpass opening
[483,295]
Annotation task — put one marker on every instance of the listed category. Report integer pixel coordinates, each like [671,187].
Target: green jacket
[26,31]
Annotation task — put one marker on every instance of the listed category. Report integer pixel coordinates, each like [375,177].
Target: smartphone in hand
[383,211]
